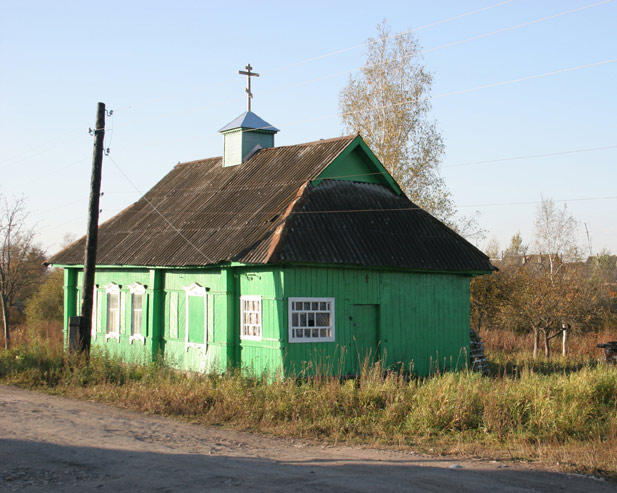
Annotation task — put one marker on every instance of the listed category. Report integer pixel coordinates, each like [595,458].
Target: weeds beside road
[561,412]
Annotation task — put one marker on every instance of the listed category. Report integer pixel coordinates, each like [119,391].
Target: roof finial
[249,74]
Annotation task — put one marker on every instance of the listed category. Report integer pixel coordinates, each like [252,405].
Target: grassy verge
[559,414]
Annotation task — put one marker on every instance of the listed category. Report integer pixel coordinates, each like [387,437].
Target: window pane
[311,319]
[113,320]
[136,322]
[136,301]
[251,317]
[323,319]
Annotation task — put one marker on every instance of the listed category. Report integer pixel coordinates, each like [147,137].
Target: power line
[517,26]
[350,211]
[486,86]
[447,45]
[52,144]
[535,202]
[367,43]
[159,212]
[259,185]
[528,157]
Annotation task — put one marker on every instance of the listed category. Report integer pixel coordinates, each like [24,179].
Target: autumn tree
[516,247]
[555,232]
[388,104]
[21,267]
[47,302]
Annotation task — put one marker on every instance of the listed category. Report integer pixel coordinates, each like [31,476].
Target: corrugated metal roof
[366,224]
[203,213]
[248,119]
[266,211]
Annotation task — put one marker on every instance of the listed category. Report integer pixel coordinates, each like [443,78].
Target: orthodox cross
[249,74]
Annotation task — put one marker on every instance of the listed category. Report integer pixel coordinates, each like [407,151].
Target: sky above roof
[170,74]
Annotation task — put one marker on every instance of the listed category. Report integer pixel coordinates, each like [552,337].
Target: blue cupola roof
[245,136]
[249,120]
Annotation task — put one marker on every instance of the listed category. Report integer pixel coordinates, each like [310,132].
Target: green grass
[556,411]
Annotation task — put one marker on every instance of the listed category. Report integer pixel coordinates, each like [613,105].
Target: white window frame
[291,311]
[137,289]
[243,322]
[113,289]
[195,290]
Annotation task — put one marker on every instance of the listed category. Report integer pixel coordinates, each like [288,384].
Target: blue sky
[168,70]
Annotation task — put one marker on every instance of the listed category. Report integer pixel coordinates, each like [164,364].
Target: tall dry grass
[550,411]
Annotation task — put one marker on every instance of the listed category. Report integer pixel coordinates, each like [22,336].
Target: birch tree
[555,232]
[387,103]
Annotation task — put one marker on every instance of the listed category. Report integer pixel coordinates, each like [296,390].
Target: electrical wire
[535,202]
[393,36]
[447,45]
[478,88]
[49,145]
[159,212]
[260,185]
[528,157]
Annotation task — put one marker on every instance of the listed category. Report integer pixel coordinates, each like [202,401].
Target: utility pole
[588,240]
[80,327]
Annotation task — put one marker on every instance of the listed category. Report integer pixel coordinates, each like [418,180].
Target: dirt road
[50,443]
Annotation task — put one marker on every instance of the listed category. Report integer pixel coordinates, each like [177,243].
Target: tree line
[550,292]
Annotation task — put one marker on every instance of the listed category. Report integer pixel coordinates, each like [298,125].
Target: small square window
[311,319]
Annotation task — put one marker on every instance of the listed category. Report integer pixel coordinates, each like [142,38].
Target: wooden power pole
[80,327]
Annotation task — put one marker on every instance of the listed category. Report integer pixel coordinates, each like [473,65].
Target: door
[365,337]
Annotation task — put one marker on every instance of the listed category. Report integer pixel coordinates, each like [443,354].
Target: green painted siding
[232,148]
[238,143]
[264,356]
[418,321]
[423,318]
[251,139]
[355,166]
[358,163]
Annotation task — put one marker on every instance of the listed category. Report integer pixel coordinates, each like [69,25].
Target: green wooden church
[279,260]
